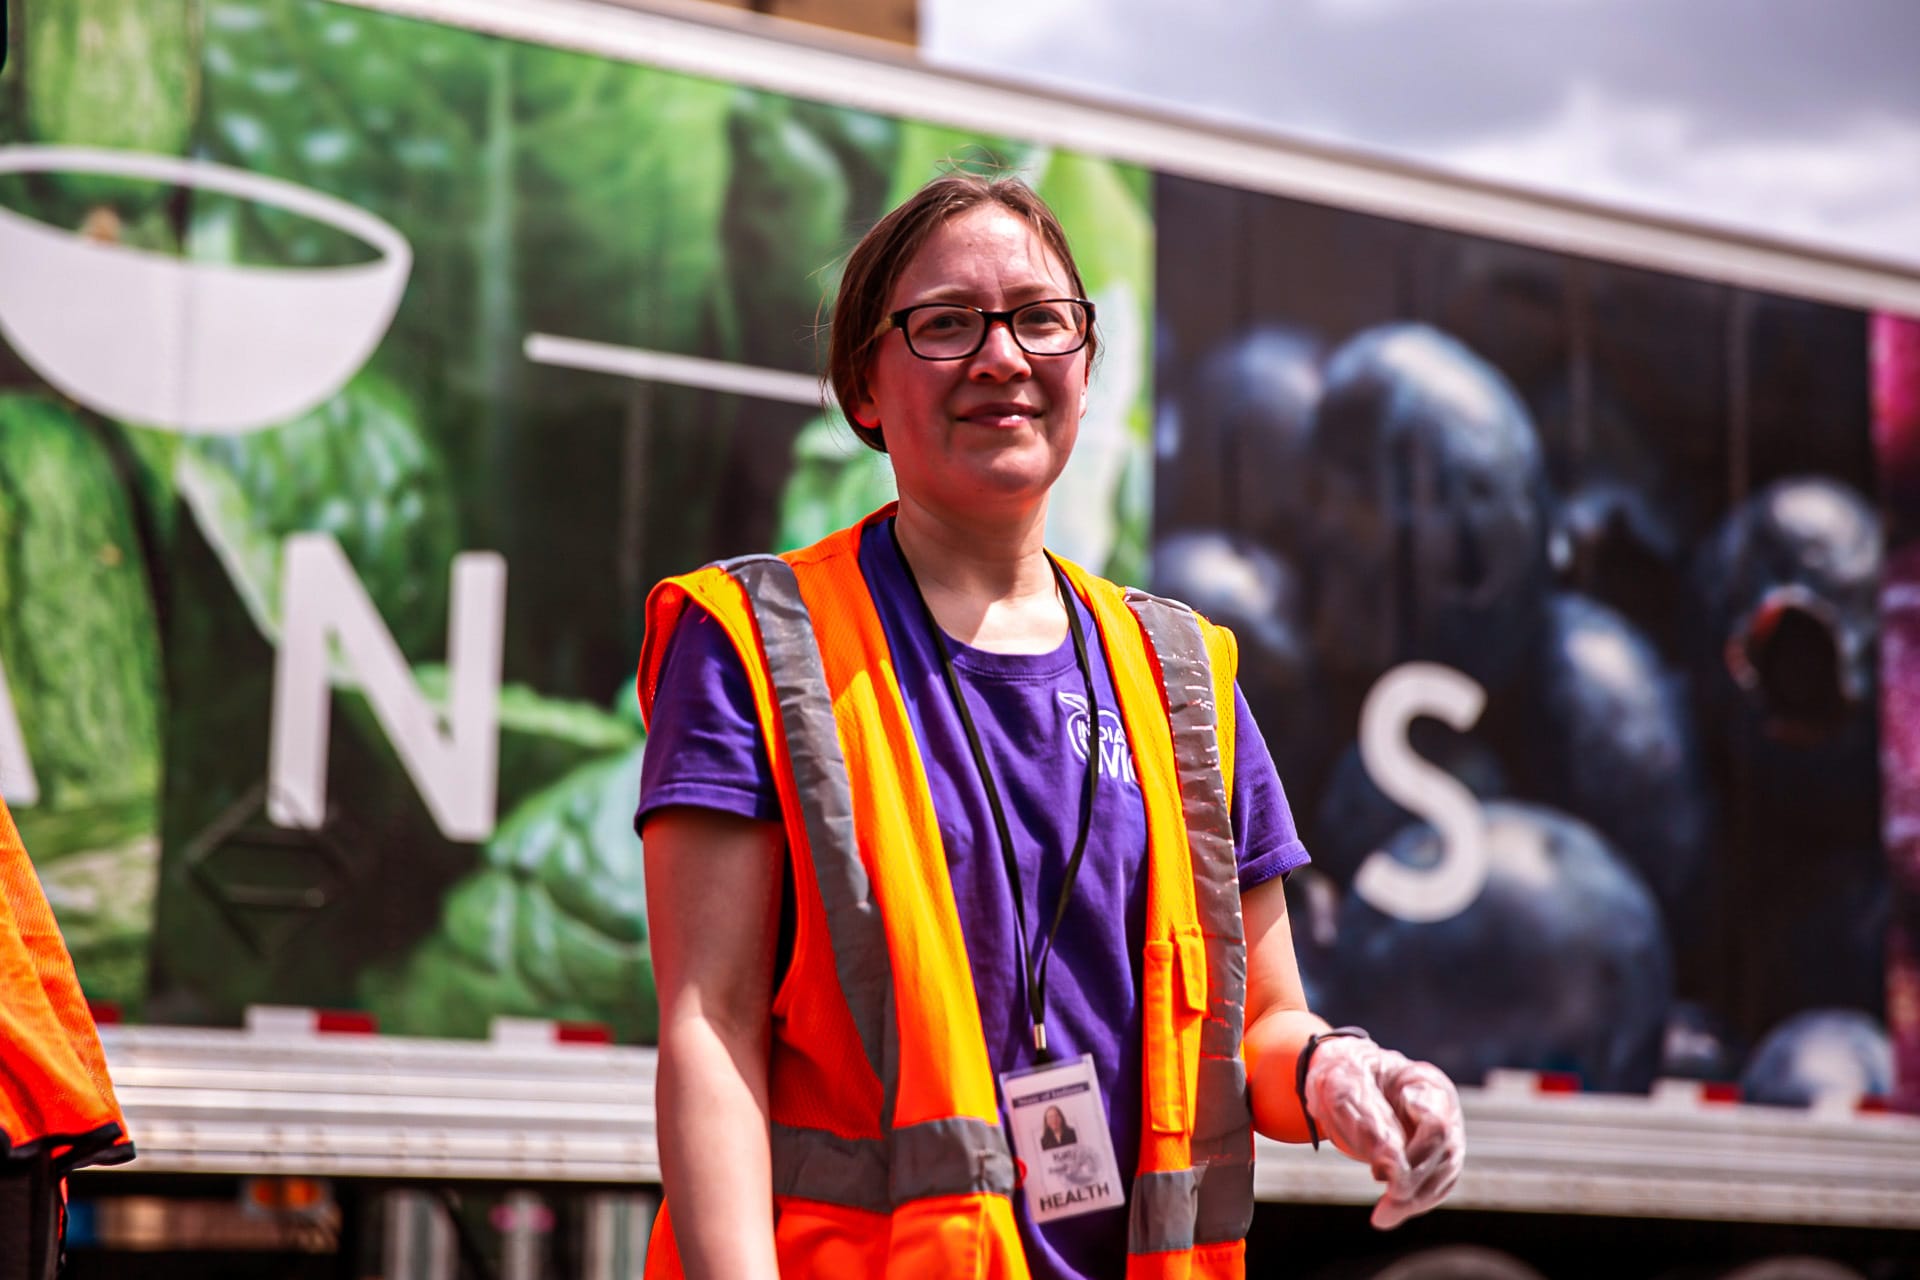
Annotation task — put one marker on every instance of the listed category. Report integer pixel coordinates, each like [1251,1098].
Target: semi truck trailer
[365,361]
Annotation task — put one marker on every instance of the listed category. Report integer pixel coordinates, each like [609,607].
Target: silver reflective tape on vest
[812,1164]
[1174,633]
[949,1157]
[958,1156]
[1221,1180]
[1211,1203]
[1164,1208]
[1224,1207]
[1222,1111]
[1223,1152]
[858,934]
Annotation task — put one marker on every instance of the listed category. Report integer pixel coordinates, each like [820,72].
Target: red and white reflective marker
[1503,1082]
[290,1020]
[543,1033]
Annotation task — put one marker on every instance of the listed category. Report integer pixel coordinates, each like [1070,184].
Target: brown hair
[883,254]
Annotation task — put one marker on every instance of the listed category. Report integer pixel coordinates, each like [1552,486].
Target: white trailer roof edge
[794,58]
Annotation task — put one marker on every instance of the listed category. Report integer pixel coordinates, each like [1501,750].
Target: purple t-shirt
[704,749]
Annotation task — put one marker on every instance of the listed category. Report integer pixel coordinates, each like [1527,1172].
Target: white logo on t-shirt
[1116,761]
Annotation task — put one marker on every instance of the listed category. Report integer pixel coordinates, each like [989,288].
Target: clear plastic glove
[1398,1117]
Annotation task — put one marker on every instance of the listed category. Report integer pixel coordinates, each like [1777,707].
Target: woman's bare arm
[1278,1021]
[713,913]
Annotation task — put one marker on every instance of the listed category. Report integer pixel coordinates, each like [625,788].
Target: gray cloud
[1649,88]
[1435,71]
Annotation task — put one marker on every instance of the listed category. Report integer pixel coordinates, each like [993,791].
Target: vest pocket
[1193,970]
[1192,952]
[1165,1067]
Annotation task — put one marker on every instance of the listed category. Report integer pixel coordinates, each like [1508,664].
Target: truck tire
[1457,1262]
[1792,1268]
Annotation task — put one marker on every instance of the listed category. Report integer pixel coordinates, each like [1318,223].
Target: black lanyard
[1032,968]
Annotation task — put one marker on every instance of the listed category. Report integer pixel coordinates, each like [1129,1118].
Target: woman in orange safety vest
[945,835]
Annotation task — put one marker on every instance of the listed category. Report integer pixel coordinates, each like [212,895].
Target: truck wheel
[1795,1268]
[1458,1262]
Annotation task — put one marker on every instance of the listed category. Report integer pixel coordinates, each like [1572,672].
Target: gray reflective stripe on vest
[816,1165]
[826,803]
[1211,1203]
[1214,1200]
[1165,1208]
[950,1157]
[938,1157]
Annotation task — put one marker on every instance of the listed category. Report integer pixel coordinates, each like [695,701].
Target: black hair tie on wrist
[1306,1060]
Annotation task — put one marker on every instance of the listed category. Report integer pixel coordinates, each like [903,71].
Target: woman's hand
[1398,1117]
[713,918]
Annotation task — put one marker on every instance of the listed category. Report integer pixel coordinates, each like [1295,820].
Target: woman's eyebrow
[1016,295]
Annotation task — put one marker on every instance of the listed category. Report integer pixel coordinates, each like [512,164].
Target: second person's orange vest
[57,1108]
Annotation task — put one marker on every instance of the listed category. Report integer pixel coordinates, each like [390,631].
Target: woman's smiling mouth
[1000,413]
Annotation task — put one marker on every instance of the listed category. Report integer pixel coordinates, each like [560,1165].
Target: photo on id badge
[1060,1135]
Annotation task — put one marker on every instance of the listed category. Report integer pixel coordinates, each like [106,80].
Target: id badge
[1060,1135]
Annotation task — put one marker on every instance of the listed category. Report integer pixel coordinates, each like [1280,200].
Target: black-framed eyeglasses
[951,331]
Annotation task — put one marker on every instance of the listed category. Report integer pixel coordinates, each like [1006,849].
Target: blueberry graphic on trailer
[1355,817]
[1261,598]
[1789,591]
[1253,409]
[1610,740]
[1429,510]
[1561,962]
[1820,1055]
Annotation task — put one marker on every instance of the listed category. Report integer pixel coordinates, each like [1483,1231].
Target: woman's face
[995,429]
[1055,1120]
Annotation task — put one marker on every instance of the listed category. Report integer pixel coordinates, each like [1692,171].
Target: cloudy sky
[1799,118]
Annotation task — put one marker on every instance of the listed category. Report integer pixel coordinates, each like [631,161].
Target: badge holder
[1059,1128]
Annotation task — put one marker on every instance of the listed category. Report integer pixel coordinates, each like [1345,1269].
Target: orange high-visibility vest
[888,1154]
[56,1103]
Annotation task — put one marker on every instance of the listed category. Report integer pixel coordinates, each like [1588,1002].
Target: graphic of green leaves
[784,228]
[80,644]
[118,74]
[358,468]
[1102,502]
[925,151]
[552,926]
[78,633]
[836,480]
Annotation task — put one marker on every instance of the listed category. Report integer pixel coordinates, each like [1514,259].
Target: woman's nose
[999,355]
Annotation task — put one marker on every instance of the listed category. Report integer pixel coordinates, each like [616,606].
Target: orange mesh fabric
[55,1096]
[819,1077]
[943,1054]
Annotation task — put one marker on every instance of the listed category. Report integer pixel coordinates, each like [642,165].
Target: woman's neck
[988,585]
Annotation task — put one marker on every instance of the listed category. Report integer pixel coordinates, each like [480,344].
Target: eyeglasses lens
[1041,328]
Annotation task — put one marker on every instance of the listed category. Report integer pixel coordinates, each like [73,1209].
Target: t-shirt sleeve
[703,745]
[1265,842]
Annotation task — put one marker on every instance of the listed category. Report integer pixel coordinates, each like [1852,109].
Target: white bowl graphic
[215,348]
